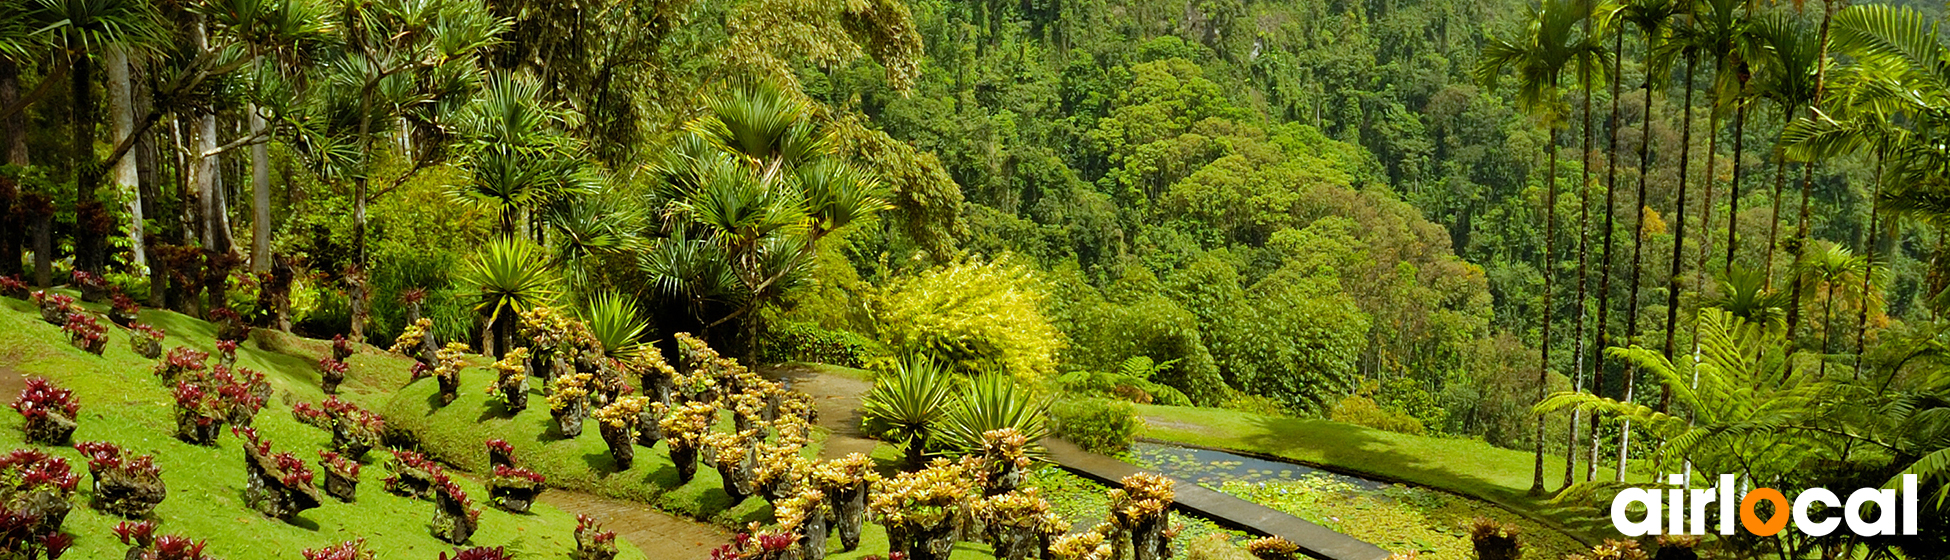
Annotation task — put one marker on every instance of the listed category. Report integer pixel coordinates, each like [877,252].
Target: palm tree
[1826,268]
[1550,44]
[1652,18]
[84,29]
[1786,52]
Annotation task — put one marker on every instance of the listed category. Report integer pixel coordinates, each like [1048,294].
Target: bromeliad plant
[341,348]
[341,476]
[592,542]
[618,423]
[230,325]
[568,402]
[684,429]
[500,453]
[122,309]
[128,486]
[348,550]
[226,353]
[54,307]
[736,458]
[413,475]
[910,400]
[454,516]
[1094,544]
[478,553]
[35,494]
[278,485]
[412,341]
[806,514]
[844,482]
[146,341]
[173,547]
[241,392]
[1018,525]
[1004,460]
[86,333]
[511,380]
[181,362]
[49,411]
[1141,511]
[13,287]
[514,489]
[354,430]
[447,365]
[331,372]
[921,509]
[200,413]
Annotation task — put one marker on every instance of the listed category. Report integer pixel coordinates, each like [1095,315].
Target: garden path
[658,534]
[837,399]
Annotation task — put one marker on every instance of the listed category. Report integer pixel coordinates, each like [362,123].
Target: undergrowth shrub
[1096,425]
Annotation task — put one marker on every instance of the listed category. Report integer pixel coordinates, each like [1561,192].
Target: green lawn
[1467,467]
[123,403]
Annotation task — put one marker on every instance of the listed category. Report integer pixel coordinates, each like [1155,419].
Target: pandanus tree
[744,197]
[911,400]
[1550,44]
[519,155]
[404,67]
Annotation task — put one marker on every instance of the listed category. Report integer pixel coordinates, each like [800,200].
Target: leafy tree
[975,316]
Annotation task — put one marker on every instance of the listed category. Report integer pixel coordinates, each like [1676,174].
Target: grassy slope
[1467,467]
[123,403]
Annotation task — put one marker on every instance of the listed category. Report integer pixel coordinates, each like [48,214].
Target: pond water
[1212,469]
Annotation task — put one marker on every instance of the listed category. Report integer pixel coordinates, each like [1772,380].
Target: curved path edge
[1314,540]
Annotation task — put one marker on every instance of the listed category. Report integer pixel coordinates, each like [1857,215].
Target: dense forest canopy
[1424,214]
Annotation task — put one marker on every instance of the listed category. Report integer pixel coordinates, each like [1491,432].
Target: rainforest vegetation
[1627,237]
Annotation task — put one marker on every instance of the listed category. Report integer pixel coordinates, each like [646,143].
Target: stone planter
[197,429]
[648,432]
[451,521]
[1016,543]
[120,493]
[812,537]
[234,331]
[737,475]
[51,428]
[411,483]
[122,317]
[91,345]
[340,487]
[54,313]
[685,457]
[270,496]
[449,388]
[514,394]
[513,496]
[47,504]
[352,446]
[330,379]
[146,347]
[920,542]
[1148,540]
[622,448]
[849,513]
[568,422]
[242,416]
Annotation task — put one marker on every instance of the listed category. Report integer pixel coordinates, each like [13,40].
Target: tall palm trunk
[1869,243]
[1584,262]
[1808,174]
[121,108]
[1733,190]
[1780,187]
[1550,248]
[1674,286]
[1605,269]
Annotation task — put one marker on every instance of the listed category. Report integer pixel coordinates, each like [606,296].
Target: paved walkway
[837,399]
[1314,540]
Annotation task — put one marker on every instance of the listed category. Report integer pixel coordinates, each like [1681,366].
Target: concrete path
[1314,540]
[659,535]
[837,398]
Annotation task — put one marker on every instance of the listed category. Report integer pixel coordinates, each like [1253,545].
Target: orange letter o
[1753,523]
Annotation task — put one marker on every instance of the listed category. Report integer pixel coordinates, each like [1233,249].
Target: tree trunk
[82,90]
[1605,269]
[1584,262]
[1673,286]
[1550,246]
[1733,190]
[1774,226]
[13,151]
[121,108]
[261,196]
[1869,243]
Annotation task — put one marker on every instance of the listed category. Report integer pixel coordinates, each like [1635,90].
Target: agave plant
[614,320]
[505,278]
[910,401]
[994,402]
